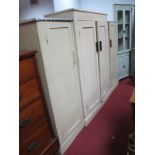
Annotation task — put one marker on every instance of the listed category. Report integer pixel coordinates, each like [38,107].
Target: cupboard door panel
[102,33]
[123,65]
[126,64]
[120,66]
[113,51]
[88,63]
[62,78]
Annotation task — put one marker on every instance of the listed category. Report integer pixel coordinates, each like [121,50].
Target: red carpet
[114,119]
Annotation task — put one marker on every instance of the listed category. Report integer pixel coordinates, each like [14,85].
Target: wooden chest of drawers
[35,129]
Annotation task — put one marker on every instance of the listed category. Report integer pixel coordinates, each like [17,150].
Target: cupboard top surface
[123,4]
[78,15]
[33,20]
[74,10]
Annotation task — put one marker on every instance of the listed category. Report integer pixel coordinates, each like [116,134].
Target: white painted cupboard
[113,54]
[91,36]
[58,68]
[76,66]
[122,13]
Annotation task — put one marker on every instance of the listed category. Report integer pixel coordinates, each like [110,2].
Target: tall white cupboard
[122,14]
[92,46]
[57,63]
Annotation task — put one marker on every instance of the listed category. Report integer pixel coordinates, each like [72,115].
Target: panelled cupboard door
[123,19]
[88,64]
[113,52]
[126,64]
[120,66]
[123,65]
[62,78]
[102,37]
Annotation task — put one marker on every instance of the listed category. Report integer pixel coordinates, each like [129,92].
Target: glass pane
[120,31]
[120,17]
[120,44]
[127,43]
[127,30]
[127,17]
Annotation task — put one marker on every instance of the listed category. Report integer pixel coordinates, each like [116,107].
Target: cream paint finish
[58,67]
[79,15]
[55,43]
[85,31]
[88,64]
[102,33]
[63,83]
[113,54]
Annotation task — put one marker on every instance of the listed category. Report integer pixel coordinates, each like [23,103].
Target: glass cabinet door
[120,30]
[127,29]
[123,25]
[123,20]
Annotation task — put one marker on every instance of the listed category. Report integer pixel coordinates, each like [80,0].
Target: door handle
[110,43]
[100,42]
[97,47]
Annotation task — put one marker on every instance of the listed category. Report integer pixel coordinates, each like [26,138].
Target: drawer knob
[32,146]
[24,123]
[123,66]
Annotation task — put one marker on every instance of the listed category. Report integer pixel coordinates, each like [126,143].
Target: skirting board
[96,110]
[70,139]
[91,115]
[87,120]
[113,85]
